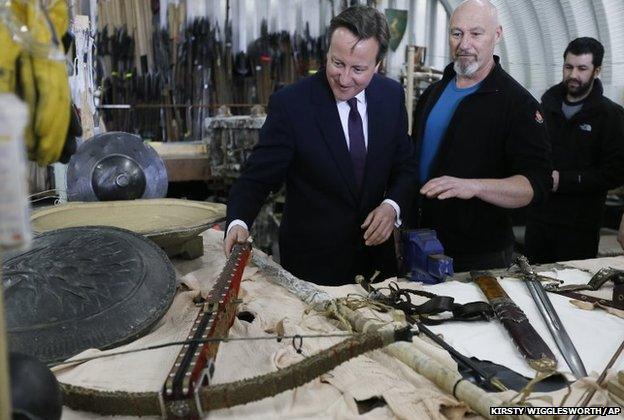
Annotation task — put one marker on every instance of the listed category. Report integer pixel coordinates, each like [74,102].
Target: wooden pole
[13,118]
[5,389]
[13,215]
[600,380]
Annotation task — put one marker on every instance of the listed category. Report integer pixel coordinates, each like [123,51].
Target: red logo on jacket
[539,118]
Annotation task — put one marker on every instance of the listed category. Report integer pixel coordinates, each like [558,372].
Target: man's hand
[621,232]
[379,224]
[448,187]
[237,234]
[555,177]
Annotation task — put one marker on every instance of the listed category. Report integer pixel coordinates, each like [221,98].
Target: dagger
[527,340]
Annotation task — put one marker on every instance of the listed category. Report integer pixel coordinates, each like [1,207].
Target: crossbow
[187,391]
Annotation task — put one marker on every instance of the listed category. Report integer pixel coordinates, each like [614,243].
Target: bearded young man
[586,131]
[483,146]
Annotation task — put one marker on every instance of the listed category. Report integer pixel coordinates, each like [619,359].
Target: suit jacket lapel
[327,118]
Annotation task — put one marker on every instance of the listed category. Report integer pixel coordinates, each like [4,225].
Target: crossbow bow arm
[230,394]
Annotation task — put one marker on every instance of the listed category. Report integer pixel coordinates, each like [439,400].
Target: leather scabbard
[524,336]
[597,281]
[617,304]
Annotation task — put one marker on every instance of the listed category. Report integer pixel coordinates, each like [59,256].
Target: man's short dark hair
[364,22]
[586,45]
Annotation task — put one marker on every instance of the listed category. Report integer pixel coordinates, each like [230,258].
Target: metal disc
[84,287]
[115,166]
[118,177]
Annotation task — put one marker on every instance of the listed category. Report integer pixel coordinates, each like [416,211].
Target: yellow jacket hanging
[41,81]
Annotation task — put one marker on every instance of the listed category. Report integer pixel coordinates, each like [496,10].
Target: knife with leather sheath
[527,340]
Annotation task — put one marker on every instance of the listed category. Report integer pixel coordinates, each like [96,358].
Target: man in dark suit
[339,141]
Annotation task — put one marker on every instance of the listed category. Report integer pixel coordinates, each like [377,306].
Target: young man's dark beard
[581,90]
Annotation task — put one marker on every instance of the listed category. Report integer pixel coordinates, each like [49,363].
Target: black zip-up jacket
[496,132]
[588,152]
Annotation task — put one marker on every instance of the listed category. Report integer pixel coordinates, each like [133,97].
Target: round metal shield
[84,287]
[115,166]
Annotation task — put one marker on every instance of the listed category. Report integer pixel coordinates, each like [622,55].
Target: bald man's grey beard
[465,71]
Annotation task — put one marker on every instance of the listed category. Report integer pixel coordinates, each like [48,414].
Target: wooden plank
[137,34]
[116,16]
[176,149]
[188,169]
[147,20]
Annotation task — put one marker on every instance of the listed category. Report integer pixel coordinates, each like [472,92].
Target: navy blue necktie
[357,147]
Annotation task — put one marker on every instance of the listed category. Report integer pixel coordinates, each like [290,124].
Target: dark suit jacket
[303,144]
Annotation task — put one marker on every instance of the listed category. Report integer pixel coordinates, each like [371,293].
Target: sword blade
[551,318]
[557,330]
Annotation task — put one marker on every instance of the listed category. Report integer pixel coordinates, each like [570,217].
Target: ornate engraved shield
[84,287]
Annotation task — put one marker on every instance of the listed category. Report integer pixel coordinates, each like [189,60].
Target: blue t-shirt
[438,122]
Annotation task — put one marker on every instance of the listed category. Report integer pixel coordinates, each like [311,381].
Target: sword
[524,336]
[554,324]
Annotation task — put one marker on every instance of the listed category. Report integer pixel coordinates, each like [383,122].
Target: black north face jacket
[588,152]
[496,132]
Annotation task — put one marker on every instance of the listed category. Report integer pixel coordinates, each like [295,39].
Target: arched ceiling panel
[554,36]
[614,56]
[605,37]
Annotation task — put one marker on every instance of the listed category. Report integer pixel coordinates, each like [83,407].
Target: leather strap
[618,304]
[436,305]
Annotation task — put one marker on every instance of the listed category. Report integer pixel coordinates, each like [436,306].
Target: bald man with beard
[482,144]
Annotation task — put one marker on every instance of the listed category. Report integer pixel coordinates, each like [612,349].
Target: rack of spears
[163,82]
